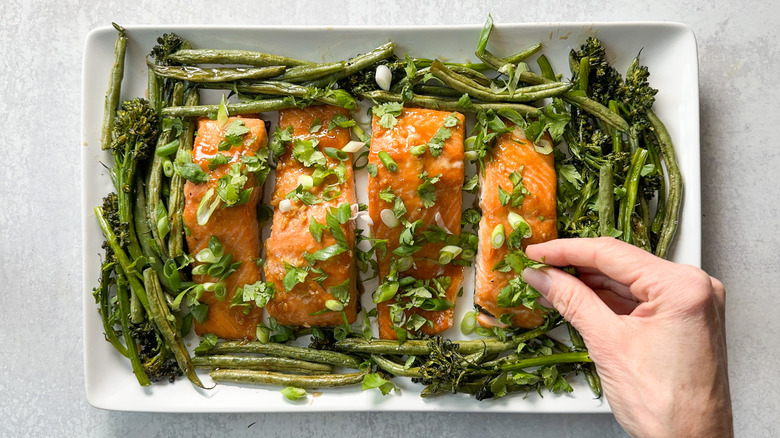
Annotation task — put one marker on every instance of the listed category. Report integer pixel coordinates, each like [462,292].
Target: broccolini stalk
[124,316]
[134,134]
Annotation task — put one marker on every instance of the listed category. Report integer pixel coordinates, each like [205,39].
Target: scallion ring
[497,237]
[404,263]
[448,253]
[418,150]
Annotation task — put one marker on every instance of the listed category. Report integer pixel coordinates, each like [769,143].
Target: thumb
[575,301]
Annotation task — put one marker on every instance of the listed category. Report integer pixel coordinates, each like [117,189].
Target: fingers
[618,260]
[617,303]
[601,281]
[572,298]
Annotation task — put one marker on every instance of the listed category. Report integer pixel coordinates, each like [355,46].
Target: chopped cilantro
[426,189]
[316,125]
[316,228]
[305,151]
[387,114]
[294,275]
[387,194]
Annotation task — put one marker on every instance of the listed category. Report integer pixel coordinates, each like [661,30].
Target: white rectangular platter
[668,49]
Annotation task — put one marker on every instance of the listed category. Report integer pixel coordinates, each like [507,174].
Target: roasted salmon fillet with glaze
[235,226]
[330,278]
[513,152]
[442,162]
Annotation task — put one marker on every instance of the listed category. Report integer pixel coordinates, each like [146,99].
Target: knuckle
[697,286]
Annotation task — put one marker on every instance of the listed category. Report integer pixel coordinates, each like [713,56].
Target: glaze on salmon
[512,153]
[291,240]
[444,162]
[236,226]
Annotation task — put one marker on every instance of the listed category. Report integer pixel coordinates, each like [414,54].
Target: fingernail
[538,279]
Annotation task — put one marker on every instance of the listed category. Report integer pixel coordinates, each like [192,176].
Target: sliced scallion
[388,218]
[205,210]
[388,161]
[353,146]
[385,291]
[497,237]
[168,168]
[448,253]
[518,223]
[404,263]
[469,322]
[334,305]
[306,182]
[418,150]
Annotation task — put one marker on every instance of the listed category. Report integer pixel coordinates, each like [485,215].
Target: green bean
[145,232]
[447,104]
[154,178]
[288,351]
[617,137]
[552,359]
[101,295]
[114,86]
[581,100]
[639,225]
[303,73]
[261,363]
[469,73]
[421,348]
[358,63]
[631,185]
[591,375]
[226,56]
[280,379]
[658,218]
[674,197]
[584,73]
[491,60]
[394,368]
[436,90]
[176,197]
[606,200]
[125,264]
[546,68]
[277,88]
[162,317]
[217,74]
[523,94]
[124,321]
[254,107]
[153,87]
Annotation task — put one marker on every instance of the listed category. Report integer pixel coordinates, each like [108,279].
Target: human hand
[655,330]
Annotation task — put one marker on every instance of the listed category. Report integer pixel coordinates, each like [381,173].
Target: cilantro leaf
[387,194]
[294,275]
[387,114]
[305,151]
[426,189]
[316,228]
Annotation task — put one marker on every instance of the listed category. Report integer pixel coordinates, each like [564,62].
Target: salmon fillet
[512,153]
[291,239]
[417,127]
[236,227]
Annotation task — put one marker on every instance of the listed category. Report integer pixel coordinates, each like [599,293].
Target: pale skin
[655,330]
